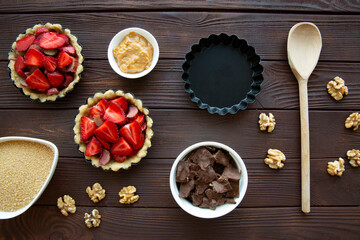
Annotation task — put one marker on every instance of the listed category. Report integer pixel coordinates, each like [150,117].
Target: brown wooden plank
[132,223]
[229,5]
[164,88]
[266,32]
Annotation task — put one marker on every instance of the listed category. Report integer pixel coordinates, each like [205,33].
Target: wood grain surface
[271,207]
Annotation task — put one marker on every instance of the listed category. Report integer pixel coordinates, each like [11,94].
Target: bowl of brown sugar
[26,168]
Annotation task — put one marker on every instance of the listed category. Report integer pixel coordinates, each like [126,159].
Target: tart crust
[19,82]
[110,94]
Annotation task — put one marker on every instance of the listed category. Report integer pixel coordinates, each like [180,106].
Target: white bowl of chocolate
[208,180]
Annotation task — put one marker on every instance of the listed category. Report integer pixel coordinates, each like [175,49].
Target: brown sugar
[24,168]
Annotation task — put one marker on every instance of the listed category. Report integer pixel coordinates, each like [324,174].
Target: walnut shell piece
[275,158]
[93,219]
[127,195]
[67,205]
[96,193]
[353,121]
[354,157]
[337,89]
[266,122]
[336,167]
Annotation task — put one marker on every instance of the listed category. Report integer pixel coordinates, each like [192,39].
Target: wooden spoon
[303,49]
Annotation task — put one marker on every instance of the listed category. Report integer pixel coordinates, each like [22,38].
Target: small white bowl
[204,212]
[7,215]
[118,38]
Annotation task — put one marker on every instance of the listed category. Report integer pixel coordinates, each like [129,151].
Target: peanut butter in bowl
[134,54]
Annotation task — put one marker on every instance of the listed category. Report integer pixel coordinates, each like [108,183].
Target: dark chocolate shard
[234,189]
[194,168]
[196,199]
[207,175]
[231,173]
[208,203]
[222,158]
[185,188]
[182,172]
[219,169]
[211,149]
[200,187]
[224,200]
[202,157]
[221,185]
[211,194]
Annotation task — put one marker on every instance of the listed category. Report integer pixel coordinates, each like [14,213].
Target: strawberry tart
[46,62]
[113,130]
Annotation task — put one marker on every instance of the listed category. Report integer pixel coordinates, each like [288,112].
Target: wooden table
[271,207]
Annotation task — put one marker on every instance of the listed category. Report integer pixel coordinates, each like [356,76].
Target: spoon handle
[305,147]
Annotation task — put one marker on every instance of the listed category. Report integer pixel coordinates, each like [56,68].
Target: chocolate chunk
[200,187]
[185,188]
[224,200]
[207,175]
[196,199]
[231,173]
[182,172]
[219,169]
[221,158]
[207,203]
[234,189]
[211,149]
[221,185]
[194,168]
[202,157]
[211,194]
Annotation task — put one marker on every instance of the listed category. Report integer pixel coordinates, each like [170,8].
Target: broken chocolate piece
[196,199]
[207,175]
[221,158]
[208,203]
[185,188]
[202,157]
[200,187]
[211,194]
[231,173]
[221,185]
[234,189]
[182,172]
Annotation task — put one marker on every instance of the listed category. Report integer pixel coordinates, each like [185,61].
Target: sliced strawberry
[93,147]
[50,63]
[97,119]
[38,81]
[23,44]
[52,91]
[140,143]
[122,102]
[115,114]
[68,80]
[68,49]
[108,132]
[87,128]
[134,152]
[51,40]
[99,108]
[41,30]
[140,118]
[19,66]
[118,158]
[133,111]
[132,133]
[34,57]
[104,143]
[55,78]
[36,41]
[73,65]
[66,38]
[121,147]
[104,157]
[143,127]
[64,59]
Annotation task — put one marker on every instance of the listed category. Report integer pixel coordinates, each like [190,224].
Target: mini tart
[43,97]
[108,95]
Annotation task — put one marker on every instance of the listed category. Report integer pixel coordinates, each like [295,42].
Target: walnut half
[93,219]
[353,121]
[97,193]
[275,158]
[336,167]
[127,195]
[267,122]
[354,157]
[337,89]
[67,206]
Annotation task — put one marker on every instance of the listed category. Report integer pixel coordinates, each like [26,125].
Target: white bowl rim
[119,37]
[220,210]
[7,215]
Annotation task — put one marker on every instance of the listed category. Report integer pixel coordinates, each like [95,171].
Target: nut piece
[337,89]
[354,157]
[93,219]
[66,206]
[96,193]
[336,167]
[266,122]
[275,158]
[127,195]
[353,121]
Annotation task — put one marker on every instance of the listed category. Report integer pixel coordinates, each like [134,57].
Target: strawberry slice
[118,158]
[23,44]
[140,143]
[121,147]
[132,133]
[115,114]
[19,66]
[64,59]
[50,63]
[133,111]
[55,78]
[87,128]
[52,91]
[140,119]
[73,65]
[107,132]
[41,30]
[97,119]
[93,147]
[104,157]
[65,37]
[34,57]
[143,127]
[38,81]
[99,108]
[122,102]
[68,49]
[104,143]
[51,40]
[68,80]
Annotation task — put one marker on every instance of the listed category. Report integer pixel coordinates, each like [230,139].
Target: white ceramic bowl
[204,212]
[7,215]
[119,37]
